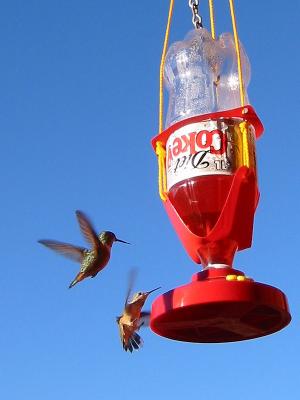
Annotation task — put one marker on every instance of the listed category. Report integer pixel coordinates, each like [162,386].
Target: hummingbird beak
[153,290]
[122,241]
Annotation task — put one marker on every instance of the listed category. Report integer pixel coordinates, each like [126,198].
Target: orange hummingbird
[132,319]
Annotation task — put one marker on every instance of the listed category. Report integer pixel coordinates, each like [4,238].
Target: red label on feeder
[198,149]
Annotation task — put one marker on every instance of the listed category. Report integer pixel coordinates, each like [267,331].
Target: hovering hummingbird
[92,261]
[132,319]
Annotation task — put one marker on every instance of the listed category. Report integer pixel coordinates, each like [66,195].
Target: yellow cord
[245,144]
[162,66]
[162,179]
[238,53]
[160,150]
[212,19]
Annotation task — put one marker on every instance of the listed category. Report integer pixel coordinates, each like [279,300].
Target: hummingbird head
[108,238]
[142,296]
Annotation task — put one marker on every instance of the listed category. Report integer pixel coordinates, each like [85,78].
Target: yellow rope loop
[238,53]
[162,179]
[245,143]
[162,66]
[160,150]
[212,19]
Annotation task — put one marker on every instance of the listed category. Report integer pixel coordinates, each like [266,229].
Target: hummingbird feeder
[208,185]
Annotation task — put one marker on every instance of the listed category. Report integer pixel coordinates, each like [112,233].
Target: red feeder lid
[216,309]
[247,113]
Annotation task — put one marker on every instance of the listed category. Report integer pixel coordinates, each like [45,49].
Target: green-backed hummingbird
[92,261]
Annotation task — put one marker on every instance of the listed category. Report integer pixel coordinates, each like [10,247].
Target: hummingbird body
[91,261]
[132,319]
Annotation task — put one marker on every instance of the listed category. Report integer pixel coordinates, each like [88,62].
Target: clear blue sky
[78,107]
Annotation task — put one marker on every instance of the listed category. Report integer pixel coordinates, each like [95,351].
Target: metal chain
[197,19]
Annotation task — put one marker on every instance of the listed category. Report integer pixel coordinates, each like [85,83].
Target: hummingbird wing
[122,332]
[131,280]
[145,318]
[88,230]
[75,253]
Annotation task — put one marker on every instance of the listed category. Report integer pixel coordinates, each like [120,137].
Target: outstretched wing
[88,230]
[131,280]
[75,253]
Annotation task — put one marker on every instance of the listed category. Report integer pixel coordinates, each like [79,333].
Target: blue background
[78,107]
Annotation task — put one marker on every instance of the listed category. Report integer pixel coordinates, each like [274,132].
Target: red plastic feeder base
[220,305]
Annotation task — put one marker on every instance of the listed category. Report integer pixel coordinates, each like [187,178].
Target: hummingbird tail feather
[73,283]
[77,279]
[134,343]
[137,339]
[129,347]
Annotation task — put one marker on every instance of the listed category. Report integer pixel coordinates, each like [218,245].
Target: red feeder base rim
[220,305]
